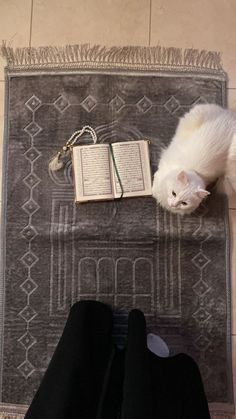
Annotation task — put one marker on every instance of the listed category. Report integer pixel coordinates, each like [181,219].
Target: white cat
[202,150]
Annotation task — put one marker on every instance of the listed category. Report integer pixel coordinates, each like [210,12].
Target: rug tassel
[59,161]
[55,164]
[85,55]
[221,416]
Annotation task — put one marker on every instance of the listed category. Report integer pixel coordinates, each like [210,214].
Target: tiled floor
[202,24]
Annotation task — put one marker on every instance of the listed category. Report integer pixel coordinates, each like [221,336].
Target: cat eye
[184,203]
[173,193]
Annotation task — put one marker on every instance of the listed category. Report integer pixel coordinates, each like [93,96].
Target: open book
[95,172]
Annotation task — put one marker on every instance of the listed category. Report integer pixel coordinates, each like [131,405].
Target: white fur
[202,150]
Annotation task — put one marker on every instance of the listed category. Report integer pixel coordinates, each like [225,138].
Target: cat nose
[170,202]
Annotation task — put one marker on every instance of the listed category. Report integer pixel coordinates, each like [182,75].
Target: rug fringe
[9,416]
[21,416]
[221,410]
[12,411]
[86,55]
[221,417]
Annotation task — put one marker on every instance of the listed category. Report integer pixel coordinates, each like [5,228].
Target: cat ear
[182,177]
[202,193]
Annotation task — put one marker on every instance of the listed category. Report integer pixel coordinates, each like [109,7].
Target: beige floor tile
[232,99]
[232,201]
[108,22]
[232,215]
[15,20]
[14,24]
[2,65]
[202,24]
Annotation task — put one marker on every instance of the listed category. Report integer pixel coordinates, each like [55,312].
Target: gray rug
[127,254]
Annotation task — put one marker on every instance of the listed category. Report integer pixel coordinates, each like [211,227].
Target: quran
[112,171]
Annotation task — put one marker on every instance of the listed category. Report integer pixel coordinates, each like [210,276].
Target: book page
[133,165]
[92,172]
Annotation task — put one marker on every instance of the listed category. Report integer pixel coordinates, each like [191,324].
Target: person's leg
[194,401]
[72,384]
[177,388]
[112,401]
[137,390]
[157,387]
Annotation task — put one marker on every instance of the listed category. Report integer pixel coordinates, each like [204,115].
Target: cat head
[180,192]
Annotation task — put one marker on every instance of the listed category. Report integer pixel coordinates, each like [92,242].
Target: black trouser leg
[177,388]
[137,389]
[72,384]
[160,388]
